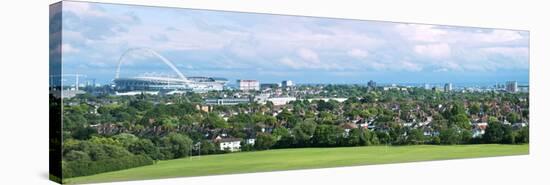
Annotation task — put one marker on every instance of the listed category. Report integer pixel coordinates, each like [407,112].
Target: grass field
[289,159]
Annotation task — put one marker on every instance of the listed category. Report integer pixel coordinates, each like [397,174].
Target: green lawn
[289,159]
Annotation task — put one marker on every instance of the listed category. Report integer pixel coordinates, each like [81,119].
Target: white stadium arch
[154,53]
[154,84]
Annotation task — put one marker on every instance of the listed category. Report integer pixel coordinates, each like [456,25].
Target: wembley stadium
[163,84]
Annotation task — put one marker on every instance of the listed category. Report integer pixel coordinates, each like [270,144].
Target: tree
[175,146]
[207,147]
[145,147]
[327,106]
[264,141]
[509,136]
[465,136]
[104,141]
[522,135]
[415,136]
[141,105]
[460,120]
[456,109]
[383,137]
[303,132]
[513,117]
[327,135]
[497,132]
[280,132]
[126,139]
[368,138]
[213,121]
[436,140]
[450,136]
[75,155]
[84,133]
[474,108]
[327,118]
[354,138]
[284,116]
[397,134]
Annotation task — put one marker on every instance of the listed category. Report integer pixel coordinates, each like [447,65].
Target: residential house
[228,144]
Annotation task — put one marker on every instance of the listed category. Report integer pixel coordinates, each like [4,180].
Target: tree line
[139,130]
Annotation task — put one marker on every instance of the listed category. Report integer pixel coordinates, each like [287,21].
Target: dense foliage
[105,133]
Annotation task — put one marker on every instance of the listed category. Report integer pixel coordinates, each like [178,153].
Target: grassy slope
[288,159]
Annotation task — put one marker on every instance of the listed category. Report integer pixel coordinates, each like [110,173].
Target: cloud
[420,32]
[508,51]
[498,36]
[358,53]
[290,63]
[439,50]
[93,22]
[215,41]
[308,55]
[84,9]
[449,66]
[410,66]
[68,48]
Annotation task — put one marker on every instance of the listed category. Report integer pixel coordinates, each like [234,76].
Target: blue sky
[272,48]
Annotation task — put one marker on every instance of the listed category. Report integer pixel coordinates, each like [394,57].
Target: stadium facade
[197,84]
[164,84]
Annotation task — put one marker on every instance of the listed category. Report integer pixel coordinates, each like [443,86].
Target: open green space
[303,158]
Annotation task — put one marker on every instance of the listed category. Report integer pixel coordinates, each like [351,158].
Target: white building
[248,85]
[229,144]
[227,101]
[448,87]
[287,83]
[251,141]
[512,86]
[479,129]
[281,100]
[339,100]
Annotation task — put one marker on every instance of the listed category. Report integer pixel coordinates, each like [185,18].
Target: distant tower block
[512,86]
[248,85]
[448,87]
[287,83]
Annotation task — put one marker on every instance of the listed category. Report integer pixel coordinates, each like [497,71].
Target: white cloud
[439,50]
[509,51]
[449,66]
[434,33]
[82,8]
[222,40]
[498,36]
[308,55]
[420,32]
[290,63]
[358,53]
[441,70]
[68,48]
[409,66]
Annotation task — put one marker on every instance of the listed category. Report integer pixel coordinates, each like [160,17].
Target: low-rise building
[281,100]
[227,101]
[228,144]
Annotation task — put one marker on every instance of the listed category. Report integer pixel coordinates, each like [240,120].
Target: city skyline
[271,48]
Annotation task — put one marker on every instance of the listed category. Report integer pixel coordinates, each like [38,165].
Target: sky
[272,48]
